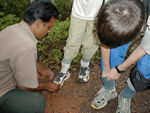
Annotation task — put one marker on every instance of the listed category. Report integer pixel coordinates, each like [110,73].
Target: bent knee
[38,103]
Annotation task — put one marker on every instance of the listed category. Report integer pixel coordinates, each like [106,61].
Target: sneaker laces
[100,93]
[104,92]
[60,74]
[83,71]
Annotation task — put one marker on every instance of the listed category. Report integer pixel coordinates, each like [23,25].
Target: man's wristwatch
[118,70]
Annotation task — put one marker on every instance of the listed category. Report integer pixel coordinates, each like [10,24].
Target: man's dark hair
[40,9]
[120,21]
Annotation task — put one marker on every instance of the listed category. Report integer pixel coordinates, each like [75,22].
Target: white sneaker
[83,74]
[123,105]
[61,77]
[102,97]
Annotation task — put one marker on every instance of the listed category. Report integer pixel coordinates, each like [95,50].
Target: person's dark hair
[40,9]
[120,21]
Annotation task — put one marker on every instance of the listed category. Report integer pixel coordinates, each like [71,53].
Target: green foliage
[7,20]
[64,8]
[11,11]
[51,47]
[16,7]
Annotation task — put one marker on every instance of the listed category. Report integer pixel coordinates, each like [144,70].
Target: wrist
[42,86]
[118,69]
[106,68]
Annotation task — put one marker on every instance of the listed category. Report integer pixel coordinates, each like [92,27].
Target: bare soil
[75,97]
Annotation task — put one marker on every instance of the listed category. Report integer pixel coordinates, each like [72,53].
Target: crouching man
[18,73]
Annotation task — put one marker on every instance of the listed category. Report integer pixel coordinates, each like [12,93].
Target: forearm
[38,68]
[39,88]
[50,87]
[105,53]
[133,58]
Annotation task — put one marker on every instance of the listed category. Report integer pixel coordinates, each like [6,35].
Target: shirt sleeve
[145,43]
[24,68]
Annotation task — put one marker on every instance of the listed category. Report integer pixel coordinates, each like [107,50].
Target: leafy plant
[64,8]
[16,7]
[11,11]
[51,47]
[7,20]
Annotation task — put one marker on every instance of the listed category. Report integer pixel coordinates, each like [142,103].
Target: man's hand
[46,73]
[51,87]
[113,74]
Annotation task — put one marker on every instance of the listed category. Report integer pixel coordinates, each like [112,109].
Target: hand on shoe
[51,87]
[113,74]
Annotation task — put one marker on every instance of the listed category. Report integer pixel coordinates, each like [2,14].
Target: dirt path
[76,97]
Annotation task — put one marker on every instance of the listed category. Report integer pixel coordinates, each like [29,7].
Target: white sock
[64,67]
[84,64]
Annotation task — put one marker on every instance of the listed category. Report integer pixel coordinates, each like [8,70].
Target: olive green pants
[19,101]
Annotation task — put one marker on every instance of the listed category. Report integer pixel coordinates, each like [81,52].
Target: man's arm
[25,72]
[132,59]
[105,53]
[44,72]
[50,87]
[140,51]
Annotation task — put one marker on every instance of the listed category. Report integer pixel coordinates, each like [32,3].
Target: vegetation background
[51,47]
[51,54]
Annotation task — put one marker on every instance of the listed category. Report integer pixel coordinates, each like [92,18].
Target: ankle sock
[84,63]
[64,67]
[108,84]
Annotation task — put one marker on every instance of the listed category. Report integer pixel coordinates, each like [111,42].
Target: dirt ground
[75,97]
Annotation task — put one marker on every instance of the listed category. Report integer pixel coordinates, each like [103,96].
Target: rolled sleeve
[145,43]
[24,68]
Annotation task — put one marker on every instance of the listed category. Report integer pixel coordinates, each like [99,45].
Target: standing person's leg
[90,44]
[76,33]
[19,101]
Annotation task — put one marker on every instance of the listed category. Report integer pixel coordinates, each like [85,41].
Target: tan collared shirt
[17,58]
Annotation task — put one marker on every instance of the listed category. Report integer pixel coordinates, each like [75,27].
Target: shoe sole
[97,108]
[82,81]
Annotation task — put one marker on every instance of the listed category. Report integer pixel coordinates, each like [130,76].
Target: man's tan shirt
[17,58]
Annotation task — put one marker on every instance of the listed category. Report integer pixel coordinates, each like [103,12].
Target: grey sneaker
[83,74]
[123,105]
[102,97]
[61,77]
